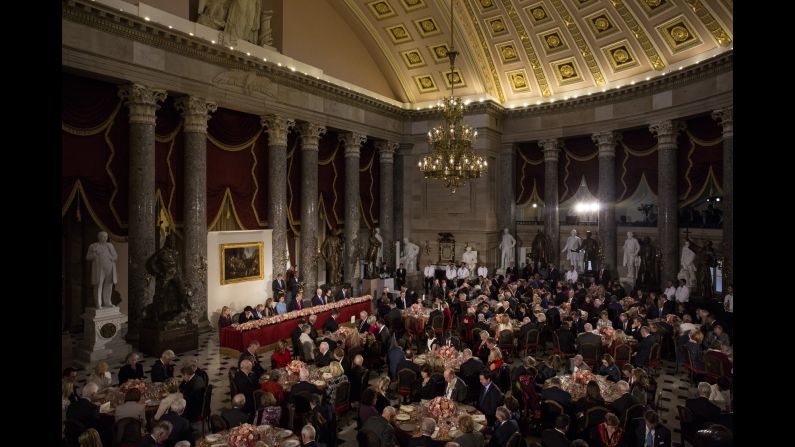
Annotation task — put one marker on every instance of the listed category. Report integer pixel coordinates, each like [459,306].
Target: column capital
[277,127]
[725,117]
[310,135]
[606,141]
[142,102]
[195,111]
[666,132]
[551,148]
[353,142]
[386,150]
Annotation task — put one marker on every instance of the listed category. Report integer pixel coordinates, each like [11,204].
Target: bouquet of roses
[442,407]
[582,376]
[295,366]
[447,352]
[245,435]
[138,384]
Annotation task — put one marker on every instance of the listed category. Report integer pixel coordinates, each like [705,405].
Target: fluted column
[142,103]
[667,199]
[196,112]
[353,142]
[310,136]
[551,214]
[607,196]
[726,119]
[278,127]
[506,199]
[386,150]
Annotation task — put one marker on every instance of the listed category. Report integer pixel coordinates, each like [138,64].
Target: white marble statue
[380,257]
[470,258]
[688,269]
[573,252]
[103,258]
[410,253]
[631,258]
[507,246]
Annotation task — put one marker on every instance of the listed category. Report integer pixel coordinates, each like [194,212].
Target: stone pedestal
[154,340]
[104,332]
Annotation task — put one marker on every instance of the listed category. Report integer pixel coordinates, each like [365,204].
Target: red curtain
[578,160]
[529,176]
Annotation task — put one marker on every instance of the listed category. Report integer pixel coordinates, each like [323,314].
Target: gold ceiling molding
[585,51]
[484,59]
[538,72]
[646,44]
[709,21]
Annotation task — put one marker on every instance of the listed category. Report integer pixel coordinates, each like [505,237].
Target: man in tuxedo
[162,369]
[504,428]
[180,426]
[400,277]
[554,392]
[652,433]
[318,299]
[343,294]
[331,324]
[644,347]
[603,276]
[296,303]
[235,416]
[381,427]
[278,285]
[622,404]
[704,411]
[192,388]
[471,366]
[556,437]
[160,432]
[246,382]
[490,396]
[83,409]
[251,354]
[456,388]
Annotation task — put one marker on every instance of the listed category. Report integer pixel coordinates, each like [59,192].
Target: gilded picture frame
[242,262]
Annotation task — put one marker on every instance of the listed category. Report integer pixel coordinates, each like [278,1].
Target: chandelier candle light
[452,159]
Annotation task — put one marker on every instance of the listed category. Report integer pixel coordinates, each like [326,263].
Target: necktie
[649,439]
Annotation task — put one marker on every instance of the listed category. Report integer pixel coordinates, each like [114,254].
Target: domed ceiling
[526,51]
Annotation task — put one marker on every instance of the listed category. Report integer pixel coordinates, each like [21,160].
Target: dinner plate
[285,433]
[213,438]
[291,443]
[402,417]
[408,427]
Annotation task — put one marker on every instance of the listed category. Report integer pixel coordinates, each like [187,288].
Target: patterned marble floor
[675,388]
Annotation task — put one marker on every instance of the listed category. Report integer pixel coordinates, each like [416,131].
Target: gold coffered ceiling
[525,51]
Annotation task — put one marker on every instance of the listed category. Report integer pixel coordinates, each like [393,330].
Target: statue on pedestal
[411,252]
[507,246]
[170,305]
[590,248]
[470,258]
[331,250]
[631,250]
[103,258]
[573,252]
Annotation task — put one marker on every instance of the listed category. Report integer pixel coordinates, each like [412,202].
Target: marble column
[551,212]
[506,200]
[278,127]
[310,137]
[196,112]
[607,197]
[353,142]
[142,103]
[386,150]
[667,198]
[726,119]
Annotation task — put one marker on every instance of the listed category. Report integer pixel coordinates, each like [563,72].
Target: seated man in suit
[180,427]
[652,433]
[456,389]
[704,411]
[556,437]
[490,397]
[162,369]
[192,388]
[157,437]
[504,428]
[236,416]
[381,427]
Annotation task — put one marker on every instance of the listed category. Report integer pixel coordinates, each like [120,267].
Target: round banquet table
[224,438]
[609,390]
[407,423]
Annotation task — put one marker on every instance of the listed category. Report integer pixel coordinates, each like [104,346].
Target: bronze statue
[647,271]
[171,302]
[331,252]
[541,248]
[590,248]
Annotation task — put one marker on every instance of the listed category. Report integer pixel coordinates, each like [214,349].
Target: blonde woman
[172,388]
[337,377]
[100,375]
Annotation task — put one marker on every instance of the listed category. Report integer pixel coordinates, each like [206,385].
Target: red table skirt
[233,339]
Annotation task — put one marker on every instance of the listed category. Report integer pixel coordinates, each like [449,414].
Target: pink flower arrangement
[447,352]
[295,366]
[442,407]
[582,376]
[138,384]
[246,435]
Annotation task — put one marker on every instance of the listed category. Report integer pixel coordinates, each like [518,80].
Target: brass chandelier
[452,159]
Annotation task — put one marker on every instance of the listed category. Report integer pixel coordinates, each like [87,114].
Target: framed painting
[242,262]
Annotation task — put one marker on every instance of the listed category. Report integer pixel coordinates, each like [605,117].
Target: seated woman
[609,369]
[281,357]
[469,437]
[693,346]
[281,306]
[367,406]
[270,412]
[603,321]
[225,319]
[337,377]
[132,407]
[593,397]
[100,375]
[608,433]
[171,386]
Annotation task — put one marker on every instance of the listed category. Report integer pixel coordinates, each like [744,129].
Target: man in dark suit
[251,354]
[456,389]
[400,277]
[192,388]
[652,433]
[83,410]
[644,347]
[343,294]
[325,355]
[278,285]
[246,383]
[622,404]
[554,392]
[504,428]
[704,411]
[331,324]
[566,338]
[490,396]
[180,427]
[556,437]
[318,299]
[235,416]
[295,303]
[158,435]
[381,427]
[162,369]
[603,276]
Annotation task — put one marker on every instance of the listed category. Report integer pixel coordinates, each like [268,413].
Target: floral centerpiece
[246,435]
[295,366]
[138,384]
[447,352]
[582,376]
[442,407]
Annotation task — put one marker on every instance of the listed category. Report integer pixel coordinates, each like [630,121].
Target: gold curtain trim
[227,196]
[78,191]
[92,130]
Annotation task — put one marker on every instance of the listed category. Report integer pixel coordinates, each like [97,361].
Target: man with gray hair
[704,411]
[308,436]
[236,416]
[381,427]
[504,427]
[180,427]
[83,410]
[325,355]
[162,369]
[157,437]
[622,404]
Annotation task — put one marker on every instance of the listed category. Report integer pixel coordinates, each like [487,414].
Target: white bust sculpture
[470,258]
[410,253]
[507,246]
[572,251]
[103,258]
[380,257]
[631,249]
[688,270]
